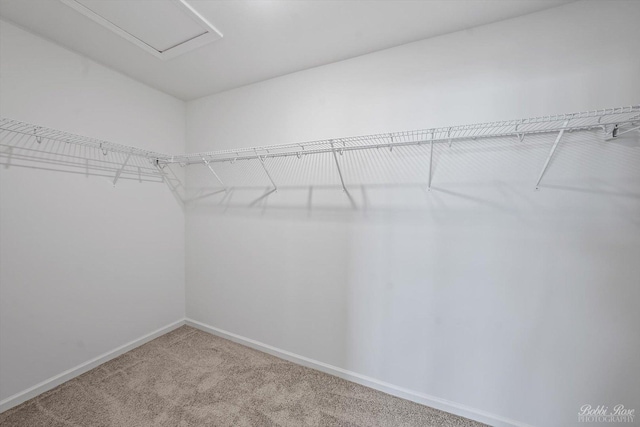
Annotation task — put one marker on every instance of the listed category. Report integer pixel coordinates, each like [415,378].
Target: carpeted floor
[191,378]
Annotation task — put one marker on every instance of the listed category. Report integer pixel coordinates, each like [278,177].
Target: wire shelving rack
[29,142]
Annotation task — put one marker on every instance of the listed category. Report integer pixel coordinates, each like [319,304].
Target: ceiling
[262,39]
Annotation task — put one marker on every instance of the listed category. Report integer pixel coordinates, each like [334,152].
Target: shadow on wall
[491,175]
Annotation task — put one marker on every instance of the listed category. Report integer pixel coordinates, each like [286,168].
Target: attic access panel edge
[209,35]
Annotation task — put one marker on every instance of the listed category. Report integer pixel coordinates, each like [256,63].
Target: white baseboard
[65,376]
[424,399]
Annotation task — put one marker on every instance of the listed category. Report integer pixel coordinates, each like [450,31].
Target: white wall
[85,267]
[517,303]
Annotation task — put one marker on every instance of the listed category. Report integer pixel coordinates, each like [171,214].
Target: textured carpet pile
[191,378]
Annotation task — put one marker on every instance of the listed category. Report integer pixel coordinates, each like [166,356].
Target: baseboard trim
[65,376]
[394,390]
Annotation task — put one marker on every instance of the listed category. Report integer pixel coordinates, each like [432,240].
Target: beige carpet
[191,378]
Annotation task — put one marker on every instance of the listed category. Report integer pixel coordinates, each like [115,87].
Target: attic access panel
[163,28]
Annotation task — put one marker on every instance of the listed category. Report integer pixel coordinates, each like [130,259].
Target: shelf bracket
[430,163]
[518,134]
[208,163]
[553,150]
[335,157]
[617,134]
[121,169]
[344,187]
[275,187]
[167,181]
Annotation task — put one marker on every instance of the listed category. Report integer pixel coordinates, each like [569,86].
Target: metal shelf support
[121,169]
[553,150]
[206,162]
[622,133]
[167,180]
[261,158]
[430,163]
[335,157]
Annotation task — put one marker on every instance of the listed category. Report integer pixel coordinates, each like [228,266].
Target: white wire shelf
[411,146]
[606,119]
[40,134]
[31,146]
[20,141]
